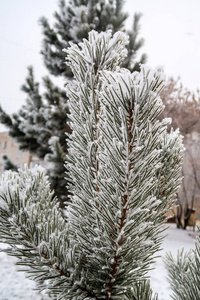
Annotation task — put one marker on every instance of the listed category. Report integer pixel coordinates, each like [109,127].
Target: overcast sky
[171,29]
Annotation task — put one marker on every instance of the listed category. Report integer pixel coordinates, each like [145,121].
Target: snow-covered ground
[14,285]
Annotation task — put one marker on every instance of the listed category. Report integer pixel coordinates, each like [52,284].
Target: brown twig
[123,217]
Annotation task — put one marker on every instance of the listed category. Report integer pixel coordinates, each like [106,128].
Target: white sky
[171,29]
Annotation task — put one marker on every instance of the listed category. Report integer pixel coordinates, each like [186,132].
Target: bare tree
[183,106]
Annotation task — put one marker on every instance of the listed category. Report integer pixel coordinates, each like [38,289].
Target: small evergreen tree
[7,163]
[56,169]
[124,169]
[44,116]
[73,23]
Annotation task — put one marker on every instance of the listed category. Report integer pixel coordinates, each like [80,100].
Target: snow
[14,285]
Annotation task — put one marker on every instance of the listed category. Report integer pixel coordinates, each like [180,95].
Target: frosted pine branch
[124,171]
[122,184]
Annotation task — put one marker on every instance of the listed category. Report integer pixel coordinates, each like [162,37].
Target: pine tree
[73,23]
[8,164]
[44,115]
[123,168]
[184,274]
[56,169]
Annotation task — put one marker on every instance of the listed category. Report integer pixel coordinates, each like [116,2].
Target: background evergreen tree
[124,170]
[73,23]
[56,170]
[44,115]
[8,164]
